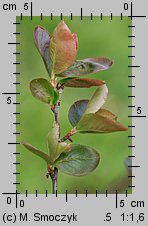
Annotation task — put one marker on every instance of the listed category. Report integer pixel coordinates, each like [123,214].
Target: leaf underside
[36,152]
[87,66]
[42,42]
[97,100]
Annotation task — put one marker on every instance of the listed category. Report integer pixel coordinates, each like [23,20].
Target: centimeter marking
[56,195]
[18,83]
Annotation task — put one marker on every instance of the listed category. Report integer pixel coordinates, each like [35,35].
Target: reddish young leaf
[63,48]
[95,123]
[81,82]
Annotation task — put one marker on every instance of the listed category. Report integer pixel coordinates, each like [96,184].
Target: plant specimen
[86,116]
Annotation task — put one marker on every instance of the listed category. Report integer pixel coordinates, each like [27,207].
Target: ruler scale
[101,207]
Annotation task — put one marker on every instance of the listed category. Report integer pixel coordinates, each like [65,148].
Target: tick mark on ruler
[76,193]
[66,195]
[121,16]
[133,166]
[14,143]
[133,66]
[106,193]
[31,10]
[101,16]
[116,199]
[131,26]
[81,14]
[86,193]
[14,43]
[11,93]
[137,116]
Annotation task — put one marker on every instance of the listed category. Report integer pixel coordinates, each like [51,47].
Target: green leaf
[56,96]
[42,90]
[87,66]
[96,123]
[63,48]
[80,161]
[97,100]
[81,82]
[42,42]
[37,152]
[106,113]
[55,148]
[76,111]
[52,140]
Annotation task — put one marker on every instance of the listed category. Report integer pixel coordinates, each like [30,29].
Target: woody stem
[54,174]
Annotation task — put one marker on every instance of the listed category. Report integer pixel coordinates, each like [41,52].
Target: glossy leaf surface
[76,111]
